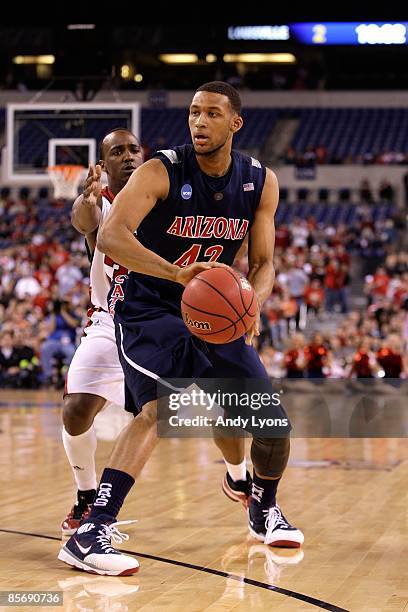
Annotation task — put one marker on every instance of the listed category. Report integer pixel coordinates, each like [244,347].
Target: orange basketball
[219,305]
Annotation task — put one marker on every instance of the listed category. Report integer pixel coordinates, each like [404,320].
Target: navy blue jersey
[203,219]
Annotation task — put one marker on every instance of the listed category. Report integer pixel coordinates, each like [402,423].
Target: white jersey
[102,267]
[95,367]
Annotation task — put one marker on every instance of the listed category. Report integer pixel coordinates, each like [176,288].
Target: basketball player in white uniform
[95,377]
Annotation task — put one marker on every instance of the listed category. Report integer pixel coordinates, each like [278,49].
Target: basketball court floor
[349,496]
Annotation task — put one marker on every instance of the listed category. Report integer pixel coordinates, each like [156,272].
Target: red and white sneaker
[73,519]
[238,490]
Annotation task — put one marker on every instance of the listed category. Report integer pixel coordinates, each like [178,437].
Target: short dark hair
[117,129]
[225,89]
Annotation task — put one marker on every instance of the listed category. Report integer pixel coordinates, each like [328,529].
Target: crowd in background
[313,277]
[44,296]
[320,154]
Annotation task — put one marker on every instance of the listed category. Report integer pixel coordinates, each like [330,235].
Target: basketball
[219,305]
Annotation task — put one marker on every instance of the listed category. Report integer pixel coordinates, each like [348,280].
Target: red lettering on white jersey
[114,268]
[100,279]
[118,292]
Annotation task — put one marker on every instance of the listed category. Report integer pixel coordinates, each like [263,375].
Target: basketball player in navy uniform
[95,376]
[192,207]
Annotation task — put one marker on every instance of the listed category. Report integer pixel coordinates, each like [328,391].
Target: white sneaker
[90,549]
[268,525]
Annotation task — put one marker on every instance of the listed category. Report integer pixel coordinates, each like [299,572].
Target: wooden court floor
[348,496]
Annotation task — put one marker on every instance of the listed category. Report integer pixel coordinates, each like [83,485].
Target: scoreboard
[326,33]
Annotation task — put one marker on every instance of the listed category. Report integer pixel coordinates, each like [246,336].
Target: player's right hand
[186,274]
[92,186]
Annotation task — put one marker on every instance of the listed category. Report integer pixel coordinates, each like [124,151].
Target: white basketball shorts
[95,367]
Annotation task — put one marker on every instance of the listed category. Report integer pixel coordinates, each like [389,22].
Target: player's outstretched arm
[261,245]
[86,210]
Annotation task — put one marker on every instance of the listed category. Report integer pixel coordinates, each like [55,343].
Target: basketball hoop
[65,180]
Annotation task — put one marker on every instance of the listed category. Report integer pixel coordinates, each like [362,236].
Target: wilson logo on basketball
[196,324]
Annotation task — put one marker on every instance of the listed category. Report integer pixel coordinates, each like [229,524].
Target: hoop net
[65,180]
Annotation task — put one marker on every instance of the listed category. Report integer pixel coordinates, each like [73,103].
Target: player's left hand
[92,186]
[254,330]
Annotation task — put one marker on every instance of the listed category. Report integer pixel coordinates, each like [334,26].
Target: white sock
[237,472]
[80,451]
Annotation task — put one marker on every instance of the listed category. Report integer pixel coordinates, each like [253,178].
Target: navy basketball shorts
[161,348]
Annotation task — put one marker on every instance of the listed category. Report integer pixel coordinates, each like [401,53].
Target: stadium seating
[352,131]
[328,214]
[167,127]
[346,133]
[161,128]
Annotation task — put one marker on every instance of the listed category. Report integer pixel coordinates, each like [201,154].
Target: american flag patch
[248,186]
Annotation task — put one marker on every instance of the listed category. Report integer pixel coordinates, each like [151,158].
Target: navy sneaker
[90,549]
[238,490]
[268,525]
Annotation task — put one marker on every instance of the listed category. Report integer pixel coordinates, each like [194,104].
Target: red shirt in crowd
[380,284]
[282,237]
[291,361]
[314,296]
[390,362]
[361,364]
[315,355]
[335,277]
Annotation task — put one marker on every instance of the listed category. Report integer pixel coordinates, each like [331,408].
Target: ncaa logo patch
[186,191]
